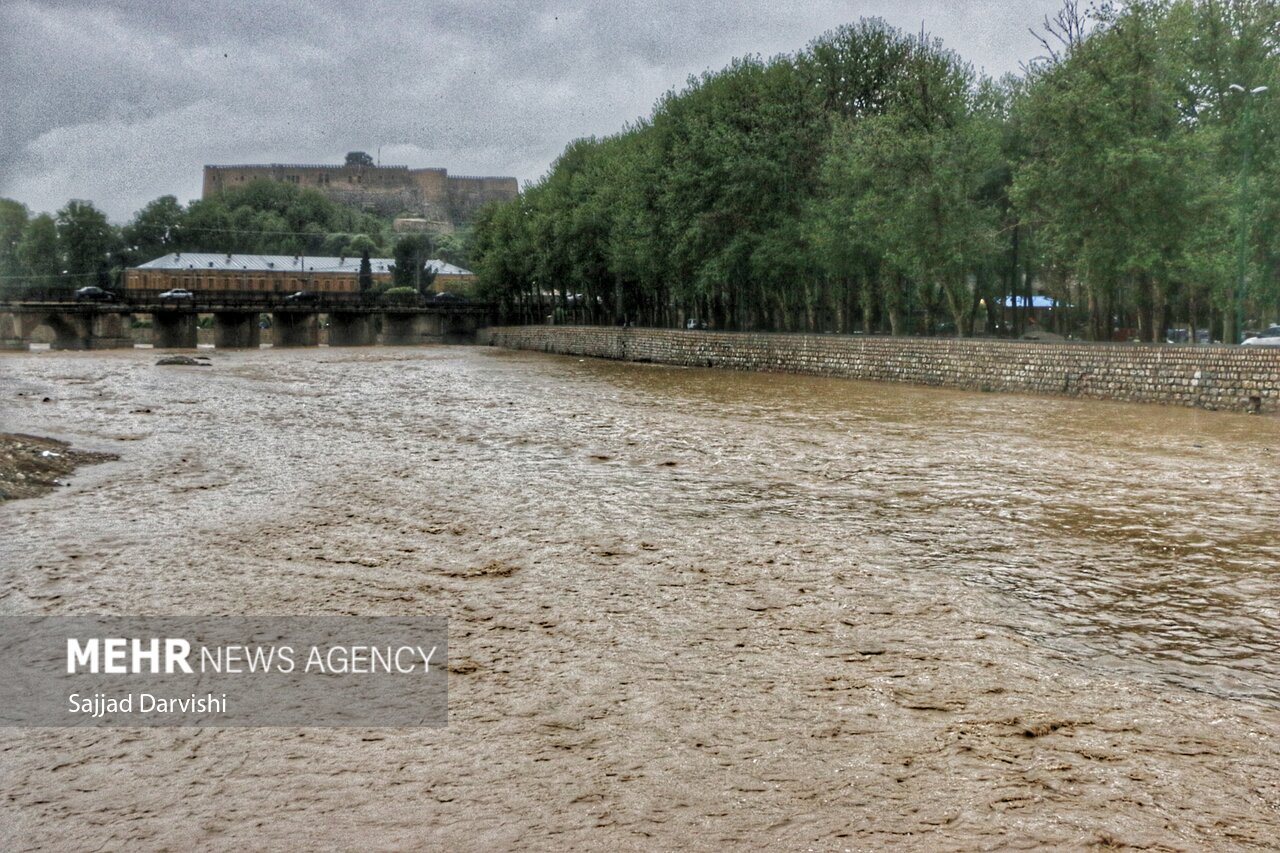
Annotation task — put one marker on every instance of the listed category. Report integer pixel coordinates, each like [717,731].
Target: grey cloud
[121,102]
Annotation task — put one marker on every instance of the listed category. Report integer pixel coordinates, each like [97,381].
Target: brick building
[204,272]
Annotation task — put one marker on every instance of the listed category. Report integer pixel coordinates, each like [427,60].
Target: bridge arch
[70,331]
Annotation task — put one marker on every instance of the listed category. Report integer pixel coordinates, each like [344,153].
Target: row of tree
[875,182]
[78,246]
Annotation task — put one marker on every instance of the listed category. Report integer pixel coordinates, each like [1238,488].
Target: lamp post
[1242,283]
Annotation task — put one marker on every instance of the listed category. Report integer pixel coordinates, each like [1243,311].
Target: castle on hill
[441,201]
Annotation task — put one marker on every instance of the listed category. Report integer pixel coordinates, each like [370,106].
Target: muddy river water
[687,608]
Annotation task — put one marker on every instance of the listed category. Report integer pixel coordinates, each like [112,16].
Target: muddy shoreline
[688,610]
[31,466]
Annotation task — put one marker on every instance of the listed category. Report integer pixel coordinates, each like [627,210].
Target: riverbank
[1217,378]
[31,466]
[734,610]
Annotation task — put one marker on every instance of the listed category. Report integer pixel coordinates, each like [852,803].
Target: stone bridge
[237,322]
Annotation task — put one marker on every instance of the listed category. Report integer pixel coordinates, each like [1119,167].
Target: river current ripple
[1128,538]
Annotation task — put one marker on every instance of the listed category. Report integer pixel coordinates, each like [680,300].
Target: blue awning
[1021,302]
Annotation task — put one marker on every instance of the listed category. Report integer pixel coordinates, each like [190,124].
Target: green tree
[275,218]
[411,254]
[39,253]
[13,222]
[874,173]
[910,187]
[87,242]
[362,244]
[366,273]
[156,229]
[1120,129]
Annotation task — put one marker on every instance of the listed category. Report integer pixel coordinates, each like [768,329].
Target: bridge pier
[236,330]
[11,336]
[109,331]
[71,331]
[294,329]
[173,330]
[351,330]
[406,330]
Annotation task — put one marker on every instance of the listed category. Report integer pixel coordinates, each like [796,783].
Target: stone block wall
[1242,379]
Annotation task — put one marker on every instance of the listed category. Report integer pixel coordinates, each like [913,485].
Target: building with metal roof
[296,263]
[204,271]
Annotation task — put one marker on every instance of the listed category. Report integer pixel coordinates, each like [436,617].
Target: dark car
[446,296]
[302,296]
[94,294]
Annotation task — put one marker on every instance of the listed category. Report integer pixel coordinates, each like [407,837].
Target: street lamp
[1242,283]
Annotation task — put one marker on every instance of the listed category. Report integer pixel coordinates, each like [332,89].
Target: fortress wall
[468,195]
[434,184]
[386,190]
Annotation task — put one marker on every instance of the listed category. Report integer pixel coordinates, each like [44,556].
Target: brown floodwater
[732,609]
[1123,536]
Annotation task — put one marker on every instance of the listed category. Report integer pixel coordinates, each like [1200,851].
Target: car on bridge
[177,295]
[94,294]
[303,297]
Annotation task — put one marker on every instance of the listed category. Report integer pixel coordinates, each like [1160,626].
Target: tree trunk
[868,306]
[1160,310]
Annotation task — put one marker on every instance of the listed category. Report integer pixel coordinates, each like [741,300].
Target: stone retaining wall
[1212,377]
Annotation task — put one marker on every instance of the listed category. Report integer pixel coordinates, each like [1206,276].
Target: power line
[51,276]
[186,228]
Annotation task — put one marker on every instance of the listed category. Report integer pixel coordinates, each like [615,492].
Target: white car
[176,293]
[1267,338]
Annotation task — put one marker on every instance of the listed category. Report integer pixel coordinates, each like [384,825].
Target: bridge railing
[241,300]
[245,300]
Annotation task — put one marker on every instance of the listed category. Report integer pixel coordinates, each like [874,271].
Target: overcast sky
[121,101]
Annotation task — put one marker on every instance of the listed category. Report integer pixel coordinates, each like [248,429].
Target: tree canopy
[871,181]
[874,181]
[78,246]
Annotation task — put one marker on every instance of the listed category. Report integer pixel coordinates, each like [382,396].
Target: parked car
[302,296]
[177,294]
[695,323]
[1269,337]
[94,294]
[446,296]
[1182,335]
